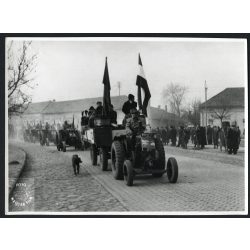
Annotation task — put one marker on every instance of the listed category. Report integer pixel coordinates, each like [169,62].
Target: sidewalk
[17,158]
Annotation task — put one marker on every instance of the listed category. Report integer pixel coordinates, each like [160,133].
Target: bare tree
[21,64]
[194,116]
[222,111]
[174,95]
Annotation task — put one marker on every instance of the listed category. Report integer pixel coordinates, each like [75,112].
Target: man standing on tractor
[113,115]
[99,109]
[128,105]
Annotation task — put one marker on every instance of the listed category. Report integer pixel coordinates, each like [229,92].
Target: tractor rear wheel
[117,160]
[93,154]
[128,173]
[104,158]
[172,170]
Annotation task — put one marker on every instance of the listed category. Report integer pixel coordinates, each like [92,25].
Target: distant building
[229,102]
[58,112]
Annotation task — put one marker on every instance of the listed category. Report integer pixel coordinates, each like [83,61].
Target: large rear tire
[104,158]
[117,160]
[128,173]
[93,154]
[172,170]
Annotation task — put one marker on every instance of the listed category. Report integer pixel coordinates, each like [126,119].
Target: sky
[68,70]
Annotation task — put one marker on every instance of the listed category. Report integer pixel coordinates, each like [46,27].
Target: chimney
[159,106]
[166,108]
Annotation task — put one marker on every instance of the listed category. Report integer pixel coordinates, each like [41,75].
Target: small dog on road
[76,160]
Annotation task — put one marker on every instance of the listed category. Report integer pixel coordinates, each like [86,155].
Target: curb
[16,178]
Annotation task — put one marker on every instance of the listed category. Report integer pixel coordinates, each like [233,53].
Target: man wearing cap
[99,108]
[134,126]
[128,105]
[91,116]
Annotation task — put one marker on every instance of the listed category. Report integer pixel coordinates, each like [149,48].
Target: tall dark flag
[142,83]
[106,93]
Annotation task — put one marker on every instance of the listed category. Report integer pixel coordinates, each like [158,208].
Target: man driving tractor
[134,127]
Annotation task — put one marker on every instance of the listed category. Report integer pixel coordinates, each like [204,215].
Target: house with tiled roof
[226,106]
[59,111]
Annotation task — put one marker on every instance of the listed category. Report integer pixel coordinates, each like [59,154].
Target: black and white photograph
[126,126]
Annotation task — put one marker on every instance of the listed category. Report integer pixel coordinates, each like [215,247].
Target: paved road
[208,181]
[50,183]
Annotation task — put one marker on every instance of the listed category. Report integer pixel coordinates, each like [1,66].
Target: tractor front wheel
[117,160]
[172,170]
[128,173]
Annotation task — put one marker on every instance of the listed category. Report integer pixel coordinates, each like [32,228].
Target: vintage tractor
[141,154]
[69,137]
[147,156]
[100,138]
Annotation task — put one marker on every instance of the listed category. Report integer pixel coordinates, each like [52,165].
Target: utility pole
[206,107]
[119,86]
[206,102]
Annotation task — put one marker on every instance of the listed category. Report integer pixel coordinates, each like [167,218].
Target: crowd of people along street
[227,137]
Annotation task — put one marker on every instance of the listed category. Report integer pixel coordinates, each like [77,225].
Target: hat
[91,108]
[99,102]
[130,96]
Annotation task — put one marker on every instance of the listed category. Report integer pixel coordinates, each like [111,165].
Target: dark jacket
[113,116]
[98,111]
[127,106]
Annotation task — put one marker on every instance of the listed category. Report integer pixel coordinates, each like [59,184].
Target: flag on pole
[142,83]
[106,92]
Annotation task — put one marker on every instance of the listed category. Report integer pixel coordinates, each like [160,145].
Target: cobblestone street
[55,188]
[209,180]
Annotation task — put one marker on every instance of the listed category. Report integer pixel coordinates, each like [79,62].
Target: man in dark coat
[99,109]
[209,135]
[215,136]
[113,115]
[173,134]
[232,140]
[202,137]
[181,136]
[164,135]
[168,134]
[128,105]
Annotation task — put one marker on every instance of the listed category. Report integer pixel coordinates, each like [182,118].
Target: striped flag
[142,83]
[106,92]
